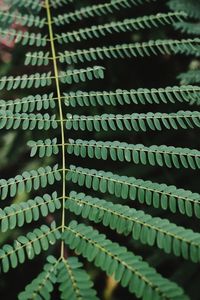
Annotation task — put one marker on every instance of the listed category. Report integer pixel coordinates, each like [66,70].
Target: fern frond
[29,103]
[24,37]
[8,18]
[82,75]
[98,31]
[135,121]
[25,121]
[96,10]
[59,3]
[116,261]
[37,58]
[164,47]
[189,28]
[46,147]
[26,212]
[74,282]
[148,192]
[42,286]
[35,5]
[192,8]
[190,77]
[28,246]
[154,155]
[188,94]
[30,114]
[29,180]
[36,80]
[125,220]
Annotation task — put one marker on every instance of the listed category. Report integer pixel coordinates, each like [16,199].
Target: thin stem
[62,125]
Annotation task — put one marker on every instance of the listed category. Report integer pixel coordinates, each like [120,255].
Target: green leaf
[129,268]
[151,193]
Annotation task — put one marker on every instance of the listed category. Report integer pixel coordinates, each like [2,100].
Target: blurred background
[157,71]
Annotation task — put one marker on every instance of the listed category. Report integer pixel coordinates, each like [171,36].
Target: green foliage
[25,38]
[96,10]
[189,28]
[126,220]
[29,4]
[43,285]
[135,121]
[188,46]
[116,27]
[124,266]
[36,80]
[153,155]
[146,192]
[37,58]
[82,75]
[74,282]
[29,103]
[29,180]
[44,148]
[26,212]
[27,247]
[59,3]
[190,77]
[192,8]
[50,120]
[166,95]
[8,120]
[7,18]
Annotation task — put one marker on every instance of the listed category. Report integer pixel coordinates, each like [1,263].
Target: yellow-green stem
[51,36]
